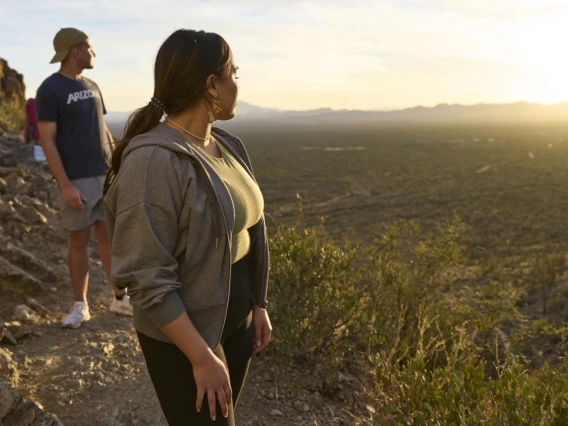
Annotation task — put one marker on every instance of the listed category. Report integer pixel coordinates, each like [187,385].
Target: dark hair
[184,62]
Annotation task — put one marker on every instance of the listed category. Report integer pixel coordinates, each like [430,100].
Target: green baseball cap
[64,40]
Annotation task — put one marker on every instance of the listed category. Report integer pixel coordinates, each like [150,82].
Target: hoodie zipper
[212,187]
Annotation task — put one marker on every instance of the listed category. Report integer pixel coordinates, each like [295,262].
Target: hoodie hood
[166,137]
[163,136]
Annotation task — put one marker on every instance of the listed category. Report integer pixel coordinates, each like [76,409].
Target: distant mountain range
[244,110]
[514,112]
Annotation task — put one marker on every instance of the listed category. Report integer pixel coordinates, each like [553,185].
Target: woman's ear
[212,85]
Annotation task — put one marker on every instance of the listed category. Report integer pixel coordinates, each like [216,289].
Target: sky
[296,55]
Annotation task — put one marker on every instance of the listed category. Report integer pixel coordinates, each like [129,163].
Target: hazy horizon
[303,55]
[512,103]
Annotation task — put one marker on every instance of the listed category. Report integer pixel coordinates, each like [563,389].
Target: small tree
[545,275]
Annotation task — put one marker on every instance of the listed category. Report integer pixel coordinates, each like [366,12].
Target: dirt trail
[95,375]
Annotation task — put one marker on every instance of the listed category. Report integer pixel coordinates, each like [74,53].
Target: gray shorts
[77,219]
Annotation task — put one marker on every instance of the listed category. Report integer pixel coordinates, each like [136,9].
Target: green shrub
[397,308]
[335,303]
[461,394]
[315,294]
[12,116]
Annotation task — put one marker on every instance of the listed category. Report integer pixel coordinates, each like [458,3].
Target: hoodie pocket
[205,282]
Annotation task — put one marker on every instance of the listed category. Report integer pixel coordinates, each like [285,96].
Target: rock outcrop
[17,411]
[12,99]
[25,206]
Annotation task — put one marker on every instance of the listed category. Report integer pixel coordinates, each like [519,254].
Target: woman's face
[228,95]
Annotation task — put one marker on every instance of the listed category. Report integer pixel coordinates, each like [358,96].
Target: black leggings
[172,373]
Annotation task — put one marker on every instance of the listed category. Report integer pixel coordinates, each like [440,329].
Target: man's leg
[79,271]
[121,302]
[104,253]
[78,260]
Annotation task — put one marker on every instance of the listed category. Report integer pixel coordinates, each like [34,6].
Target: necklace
[188,132]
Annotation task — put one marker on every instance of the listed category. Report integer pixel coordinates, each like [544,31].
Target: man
[77,144]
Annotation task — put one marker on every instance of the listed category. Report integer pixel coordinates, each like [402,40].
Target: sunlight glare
[542,61]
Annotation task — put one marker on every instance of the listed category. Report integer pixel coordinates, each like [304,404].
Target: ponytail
[141,121]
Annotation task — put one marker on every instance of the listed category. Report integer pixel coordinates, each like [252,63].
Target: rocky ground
[94,375]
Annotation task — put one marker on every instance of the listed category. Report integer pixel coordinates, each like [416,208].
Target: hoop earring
[215,109]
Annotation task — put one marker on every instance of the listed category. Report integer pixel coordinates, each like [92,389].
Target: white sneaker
[122,307]
[78,313]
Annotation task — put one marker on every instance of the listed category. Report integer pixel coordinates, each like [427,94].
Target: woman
[187,233]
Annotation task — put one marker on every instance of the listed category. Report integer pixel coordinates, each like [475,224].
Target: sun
[542,63]
[544,82]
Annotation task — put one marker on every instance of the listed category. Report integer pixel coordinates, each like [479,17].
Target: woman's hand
[212,379]
[262,329]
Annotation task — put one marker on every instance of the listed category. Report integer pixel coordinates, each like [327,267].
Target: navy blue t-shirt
[78,108]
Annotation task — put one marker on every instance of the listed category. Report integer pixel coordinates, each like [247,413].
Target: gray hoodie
[170,221]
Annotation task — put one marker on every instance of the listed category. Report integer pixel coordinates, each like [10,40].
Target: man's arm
[110,139]
[47,132]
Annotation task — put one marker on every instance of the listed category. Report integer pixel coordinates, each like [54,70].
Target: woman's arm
[209,372]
